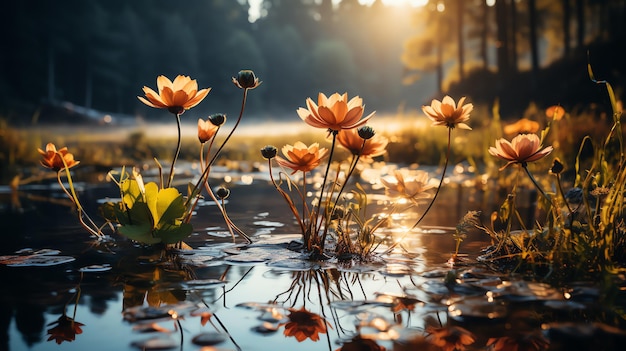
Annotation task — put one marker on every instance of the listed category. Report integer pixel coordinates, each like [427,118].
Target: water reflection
[116,295]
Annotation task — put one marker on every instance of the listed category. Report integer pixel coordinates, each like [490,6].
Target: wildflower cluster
[157,212]
[583,226]
[331,215]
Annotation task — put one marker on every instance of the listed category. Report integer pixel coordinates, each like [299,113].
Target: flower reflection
[359,343]
[65,329]
[413,188]
[303,324]
[450,338]
[533,342]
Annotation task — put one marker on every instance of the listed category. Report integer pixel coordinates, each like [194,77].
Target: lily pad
[40,258]
[96,268]
[156,343]
[209,338]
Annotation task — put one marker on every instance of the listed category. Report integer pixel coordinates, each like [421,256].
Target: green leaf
[141,233]
[170,206]
[152,195]
[108,211]
[131,192]
[139,215]
[171,234]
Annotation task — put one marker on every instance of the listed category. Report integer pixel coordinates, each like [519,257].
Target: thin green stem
[74,198]
[207,168]
[532,179]
[292,207]
[171,175]
[443,176]
[319,204]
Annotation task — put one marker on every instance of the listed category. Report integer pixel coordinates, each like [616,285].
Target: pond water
[228,296]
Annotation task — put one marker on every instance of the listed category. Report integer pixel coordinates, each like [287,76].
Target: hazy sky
[255,5]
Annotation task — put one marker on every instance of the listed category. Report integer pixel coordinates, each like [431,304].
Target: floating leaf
[31,258]
[96,268]
[35,260]
[156,343]
[209,338]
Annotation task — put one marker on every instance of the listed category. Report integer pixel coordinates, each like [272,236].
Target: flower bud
[269,152]
[222,192]
[217,119]
[366,132]
[246,79]
[557,167]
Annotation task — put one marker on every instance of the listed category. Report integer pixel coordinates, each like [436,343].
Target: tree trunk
[502,38]
[51,78]
[532,38]
[532,35]
[439,48]
[88,85]
[512,32]
[484,35]
[460,42]
[567,14]
[580,23]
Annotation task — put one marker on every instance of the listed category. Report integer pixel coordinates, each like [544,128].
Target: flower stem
[292,207]
[207,168]
[319,204]
[72,195]
[171,176]
[443,176]
[530,175]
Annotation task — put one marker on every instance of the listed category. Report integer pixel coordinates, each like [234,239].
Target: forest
[99,54]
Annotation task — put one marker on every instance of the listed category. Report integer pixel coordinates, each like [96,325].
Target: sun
[413,3]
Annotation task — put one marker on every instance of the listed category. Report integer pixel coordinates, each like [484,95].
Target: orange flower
[177,96]
[351,140]
[206,130]
[65,329]
[53,158]
[555,112]
[300,157]
[446,113]
[451,338]
[523,125]
[412,188]
[304,324]
[334,112]
[522,149]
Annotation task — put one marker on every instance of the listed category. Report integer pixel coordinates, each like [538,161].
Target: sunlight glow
[413,3]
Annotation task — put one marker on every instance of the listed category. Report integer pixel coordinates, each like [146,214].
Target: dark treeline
[99,54]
